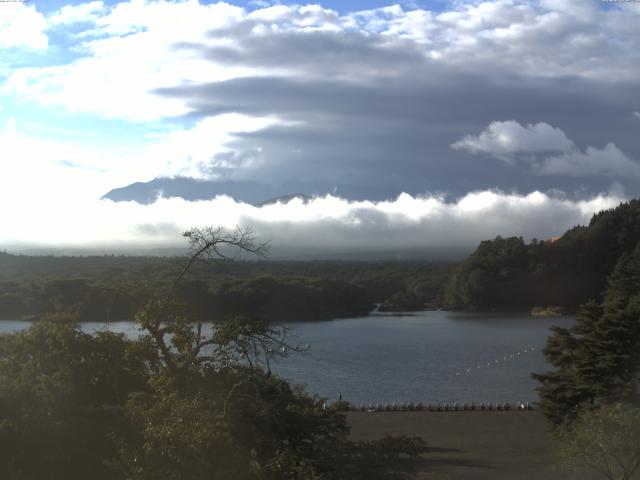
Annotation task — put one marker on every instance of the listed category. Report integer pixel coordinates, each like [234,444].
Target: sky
[410,124]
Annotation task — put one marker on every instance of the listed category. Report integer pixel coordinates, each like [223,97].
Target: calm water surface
[424,357]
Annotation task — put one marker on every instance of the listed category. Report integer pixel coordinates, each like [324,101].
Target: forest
[507,273]
[110,288]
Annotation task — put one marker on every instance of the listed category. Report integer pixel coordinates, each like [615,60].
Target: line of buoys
[505,358]
[439,407]
[294,348]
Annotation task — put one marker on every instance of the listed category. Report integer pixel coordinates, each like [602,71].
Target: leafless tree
[244,340]
[219,243]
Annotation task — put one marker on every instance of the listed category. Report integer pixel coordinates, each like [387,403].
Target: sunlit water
[424,357]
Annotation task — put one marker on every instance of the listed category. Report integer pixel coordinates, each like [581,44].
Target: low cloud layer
[323,224]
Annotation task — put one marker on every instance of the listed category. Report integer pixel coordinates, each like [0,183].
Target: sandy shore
[472,445]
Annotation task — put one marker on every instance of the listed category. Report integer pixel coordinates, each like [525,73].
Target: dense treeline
[265,298]
[508,273]
[112,288]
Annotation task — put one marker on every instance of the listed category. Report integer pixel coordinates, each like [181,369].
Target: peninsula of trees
[507,273]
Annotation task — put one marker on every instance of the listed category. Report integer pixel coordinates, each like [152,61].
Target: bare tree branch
[217,242]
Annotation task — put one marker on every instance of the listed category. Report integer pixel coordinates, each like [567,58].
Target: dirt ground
[473,445]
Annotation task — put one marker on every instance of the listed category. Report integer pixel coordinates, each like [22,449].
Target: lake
[432,356]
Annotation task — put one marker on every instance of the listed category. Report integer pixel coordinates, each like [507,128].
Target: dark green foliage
[273,299]
[507,273]
[105,289]
[489,276]
[177,403]
[402,301]
[598,359]
[61,396]
[174,404]
[606,439]
[91,302]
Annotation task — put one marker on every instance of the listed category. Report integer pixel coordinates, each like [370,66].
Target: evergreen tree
[619,327]
[598,359]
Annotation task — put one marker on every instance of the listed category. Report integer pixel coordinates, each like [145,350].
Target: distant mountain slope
[507,273]
[255,193]
[192,189]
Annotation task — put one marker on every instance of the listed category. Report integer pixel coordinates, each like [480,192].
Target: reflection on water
[430,357]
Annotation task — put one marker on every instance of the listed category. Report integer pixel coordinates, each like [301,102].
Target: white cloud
[503,139]
[83,173]
[69,14]
[535,144]
[544,38]
[128,53]
[32,169]
[582,9]
[130,48]
[328,222]
[192,152]
[22,26]
[609,161]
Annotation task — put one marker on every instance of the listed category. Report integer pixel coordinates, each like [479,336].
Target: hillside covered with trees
[507,273]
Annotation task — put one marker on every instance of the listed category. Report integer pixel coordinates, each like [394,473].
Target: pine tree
[619,327]
[598,359]
[574,381]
